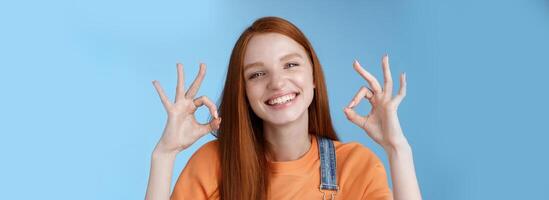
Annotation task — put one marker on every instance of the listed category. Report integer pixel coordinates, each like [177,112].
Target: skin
[282,68]
[382,125]
[286,130]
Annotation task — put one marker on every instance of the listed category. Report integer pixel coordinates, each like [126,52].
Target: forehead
[269,47]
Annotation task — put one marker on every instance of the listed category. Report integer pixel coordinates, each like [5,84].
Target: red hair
[244,168]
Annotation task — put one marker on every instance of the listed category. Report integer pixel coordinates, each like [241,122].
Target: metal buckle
[334,192]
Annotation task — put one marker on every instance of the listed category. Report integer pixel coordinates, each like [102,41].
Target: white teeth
[282,99]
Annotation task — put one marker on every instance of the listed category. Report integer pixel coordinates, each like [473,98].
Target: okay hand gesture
[182,129]
[381,123]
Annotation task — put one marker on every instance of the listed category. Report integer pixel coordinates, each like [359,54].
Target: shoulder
[204,163]
[353,150]
[356,154]
[200,177]
[360,168]
[206,156]
[210,148]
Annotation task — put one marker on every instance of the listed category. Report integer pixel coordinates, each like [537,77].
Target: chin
[278,121]
[282,118]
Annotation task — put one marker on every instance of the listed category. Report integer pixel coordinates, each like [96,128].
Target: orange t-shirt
[360,175]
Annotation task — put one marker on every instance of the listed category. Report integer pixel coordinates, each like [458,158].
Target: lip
[283,106]
[279,95]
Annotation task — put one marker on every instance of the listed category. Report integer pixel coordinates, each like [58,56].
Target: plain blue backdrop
[79,116]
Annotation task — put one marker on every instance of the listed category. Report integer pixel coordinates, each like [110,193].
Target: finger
[213,125]
[363,92]
[165,100]
[402,91]
[354,117]
[203,100]
[197,81]
[374,84]
[180,89]
[388,84]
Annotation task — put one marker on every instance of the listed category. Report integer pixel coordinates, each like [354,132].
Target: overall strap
[328,180]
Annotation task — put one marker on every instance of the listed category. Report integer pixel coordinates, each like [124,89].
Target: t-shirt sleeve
[200,177]
[377,186]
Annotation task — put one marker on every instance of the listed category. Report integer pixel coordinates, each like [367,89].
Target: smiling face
[279,78]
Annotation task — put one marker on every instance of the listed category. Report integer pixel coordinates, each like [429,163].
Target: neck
[289,141]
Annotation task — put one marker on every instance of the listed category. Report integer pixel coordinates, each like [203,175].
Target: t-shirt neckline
[296,165]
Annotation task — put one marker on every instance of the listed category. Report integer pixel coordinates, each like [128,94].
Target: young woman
[276,139]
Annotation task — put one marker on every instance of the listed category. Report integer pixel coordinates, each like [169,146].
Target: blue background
[79,115]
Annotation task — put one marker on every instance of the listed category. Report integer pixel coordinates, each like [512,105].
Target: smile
[282,100]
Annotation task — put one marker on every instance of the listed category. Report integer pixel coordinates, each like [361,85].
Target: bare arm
[181,131]
[403,173]
[160,177]
[383,126]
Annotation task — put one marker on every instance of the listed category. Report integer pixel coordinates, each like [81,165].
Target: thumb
[354,117]
[213,125]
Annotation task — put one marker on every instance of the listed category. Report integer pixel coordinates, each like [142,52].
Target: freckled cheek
[254,93]
[304,81]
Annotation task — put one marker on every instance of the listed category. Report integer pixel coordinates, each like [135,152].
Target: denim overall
[328,180]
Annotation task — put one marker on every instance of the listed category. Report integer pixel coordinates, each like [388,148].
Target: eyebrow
[286,57]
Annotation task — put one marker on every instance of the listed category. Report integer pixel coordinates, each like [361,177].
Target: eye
[256,74]
[289,65]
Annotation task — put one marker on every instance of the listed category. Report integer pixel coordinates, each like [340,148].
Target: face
[279,78]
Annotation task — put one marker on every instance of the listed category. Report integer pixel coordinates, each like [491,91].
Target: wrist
[160,152]
[401,147]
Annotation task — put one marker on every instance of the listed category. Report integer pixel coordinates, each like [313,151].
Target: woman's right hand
[182,129]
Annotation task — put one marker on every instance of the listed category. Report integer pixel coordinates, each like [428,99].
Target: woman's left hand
[382,123]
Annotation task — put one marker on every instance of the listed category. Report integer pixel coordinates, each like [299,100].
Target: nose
[276,82]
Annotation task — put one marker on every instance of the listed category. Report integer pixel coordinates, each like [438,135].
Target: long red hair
[244,168]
